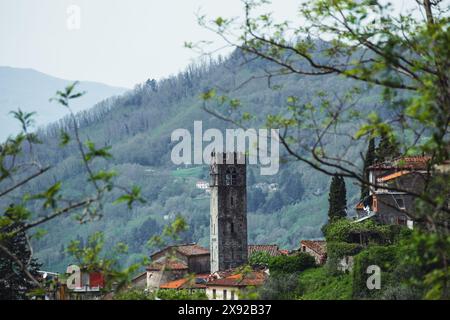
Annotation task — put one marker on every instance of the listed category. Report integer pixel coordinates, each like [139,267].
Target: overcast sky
[119,42]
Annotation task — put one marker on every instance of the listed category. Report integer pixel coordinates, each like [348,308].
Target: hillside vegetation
[138,126]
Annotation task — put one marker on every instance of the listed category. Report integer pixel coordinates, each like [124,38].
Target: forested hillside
[30,91]
[283,208]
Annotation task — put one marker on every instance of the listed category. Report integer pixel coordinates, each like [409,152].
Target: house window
[214,294]
[224,294]
[232,295]
[400,203]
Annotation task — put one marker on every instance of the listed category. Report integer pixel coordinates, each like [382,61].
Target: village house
[186,266]
[175,262]
[139,281]
[81,284]
[221,285]
[389,202]
[267,187]
[202,184]
[233,286]
[316,248]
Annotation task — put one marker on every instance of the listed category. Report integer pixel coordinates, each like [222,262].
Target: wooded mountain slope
[138,126]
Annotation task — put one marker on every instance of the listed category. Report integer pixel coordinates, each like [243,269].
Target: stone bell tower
[228,225]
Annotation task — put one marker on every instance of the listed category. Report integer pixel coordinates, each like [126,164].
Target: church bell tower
[228,225]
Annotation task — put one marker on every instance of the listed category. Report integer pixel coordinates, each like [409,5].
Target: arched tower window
[231,177]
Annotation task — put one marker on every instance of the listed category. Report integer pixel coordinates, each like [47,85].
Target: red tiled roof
[360,206]
[186,283]
[254,278]
[318,246]
[416,163]
[271,249]
[175,284]
[169,265]
[393,175]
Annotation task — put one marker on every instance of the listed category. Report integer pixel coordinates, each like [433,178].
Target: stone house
[384,203]
[316,248]
[175,262]
[139,281]
[232,286]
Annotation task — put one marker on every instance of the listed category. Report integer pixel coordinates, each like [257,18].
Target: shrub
[279,287]
[133,294]
[343,230]
[259,258]
[383,257]
[338,250]
[291,264]
[136,294]
[182,295]
[318,284]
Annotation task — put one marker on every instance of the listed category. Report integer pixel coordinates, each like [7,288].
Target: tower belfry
[228,225]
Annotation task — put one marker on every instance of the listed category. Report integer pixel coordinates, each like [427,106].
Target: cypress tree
[387,149]
[368,161]
[14,284]
[337,199]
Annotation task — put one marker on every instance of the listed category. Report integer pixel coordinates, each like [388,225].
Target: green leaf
[64,138]
[94,153]
[131,197]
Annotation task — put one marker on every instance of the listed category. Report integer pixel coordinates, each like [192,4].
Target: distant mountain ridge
[30,90]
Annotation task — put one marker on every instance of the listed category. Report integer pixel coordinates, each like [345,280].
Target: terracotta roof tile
[175,284]
[199,282]
[393,175]
[416,163]
[254,278]
[360,206]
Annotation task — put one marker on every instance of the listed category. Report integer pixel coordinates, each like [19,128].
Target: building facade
[316,248]
[228,211]
[390,200]
[234,286]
